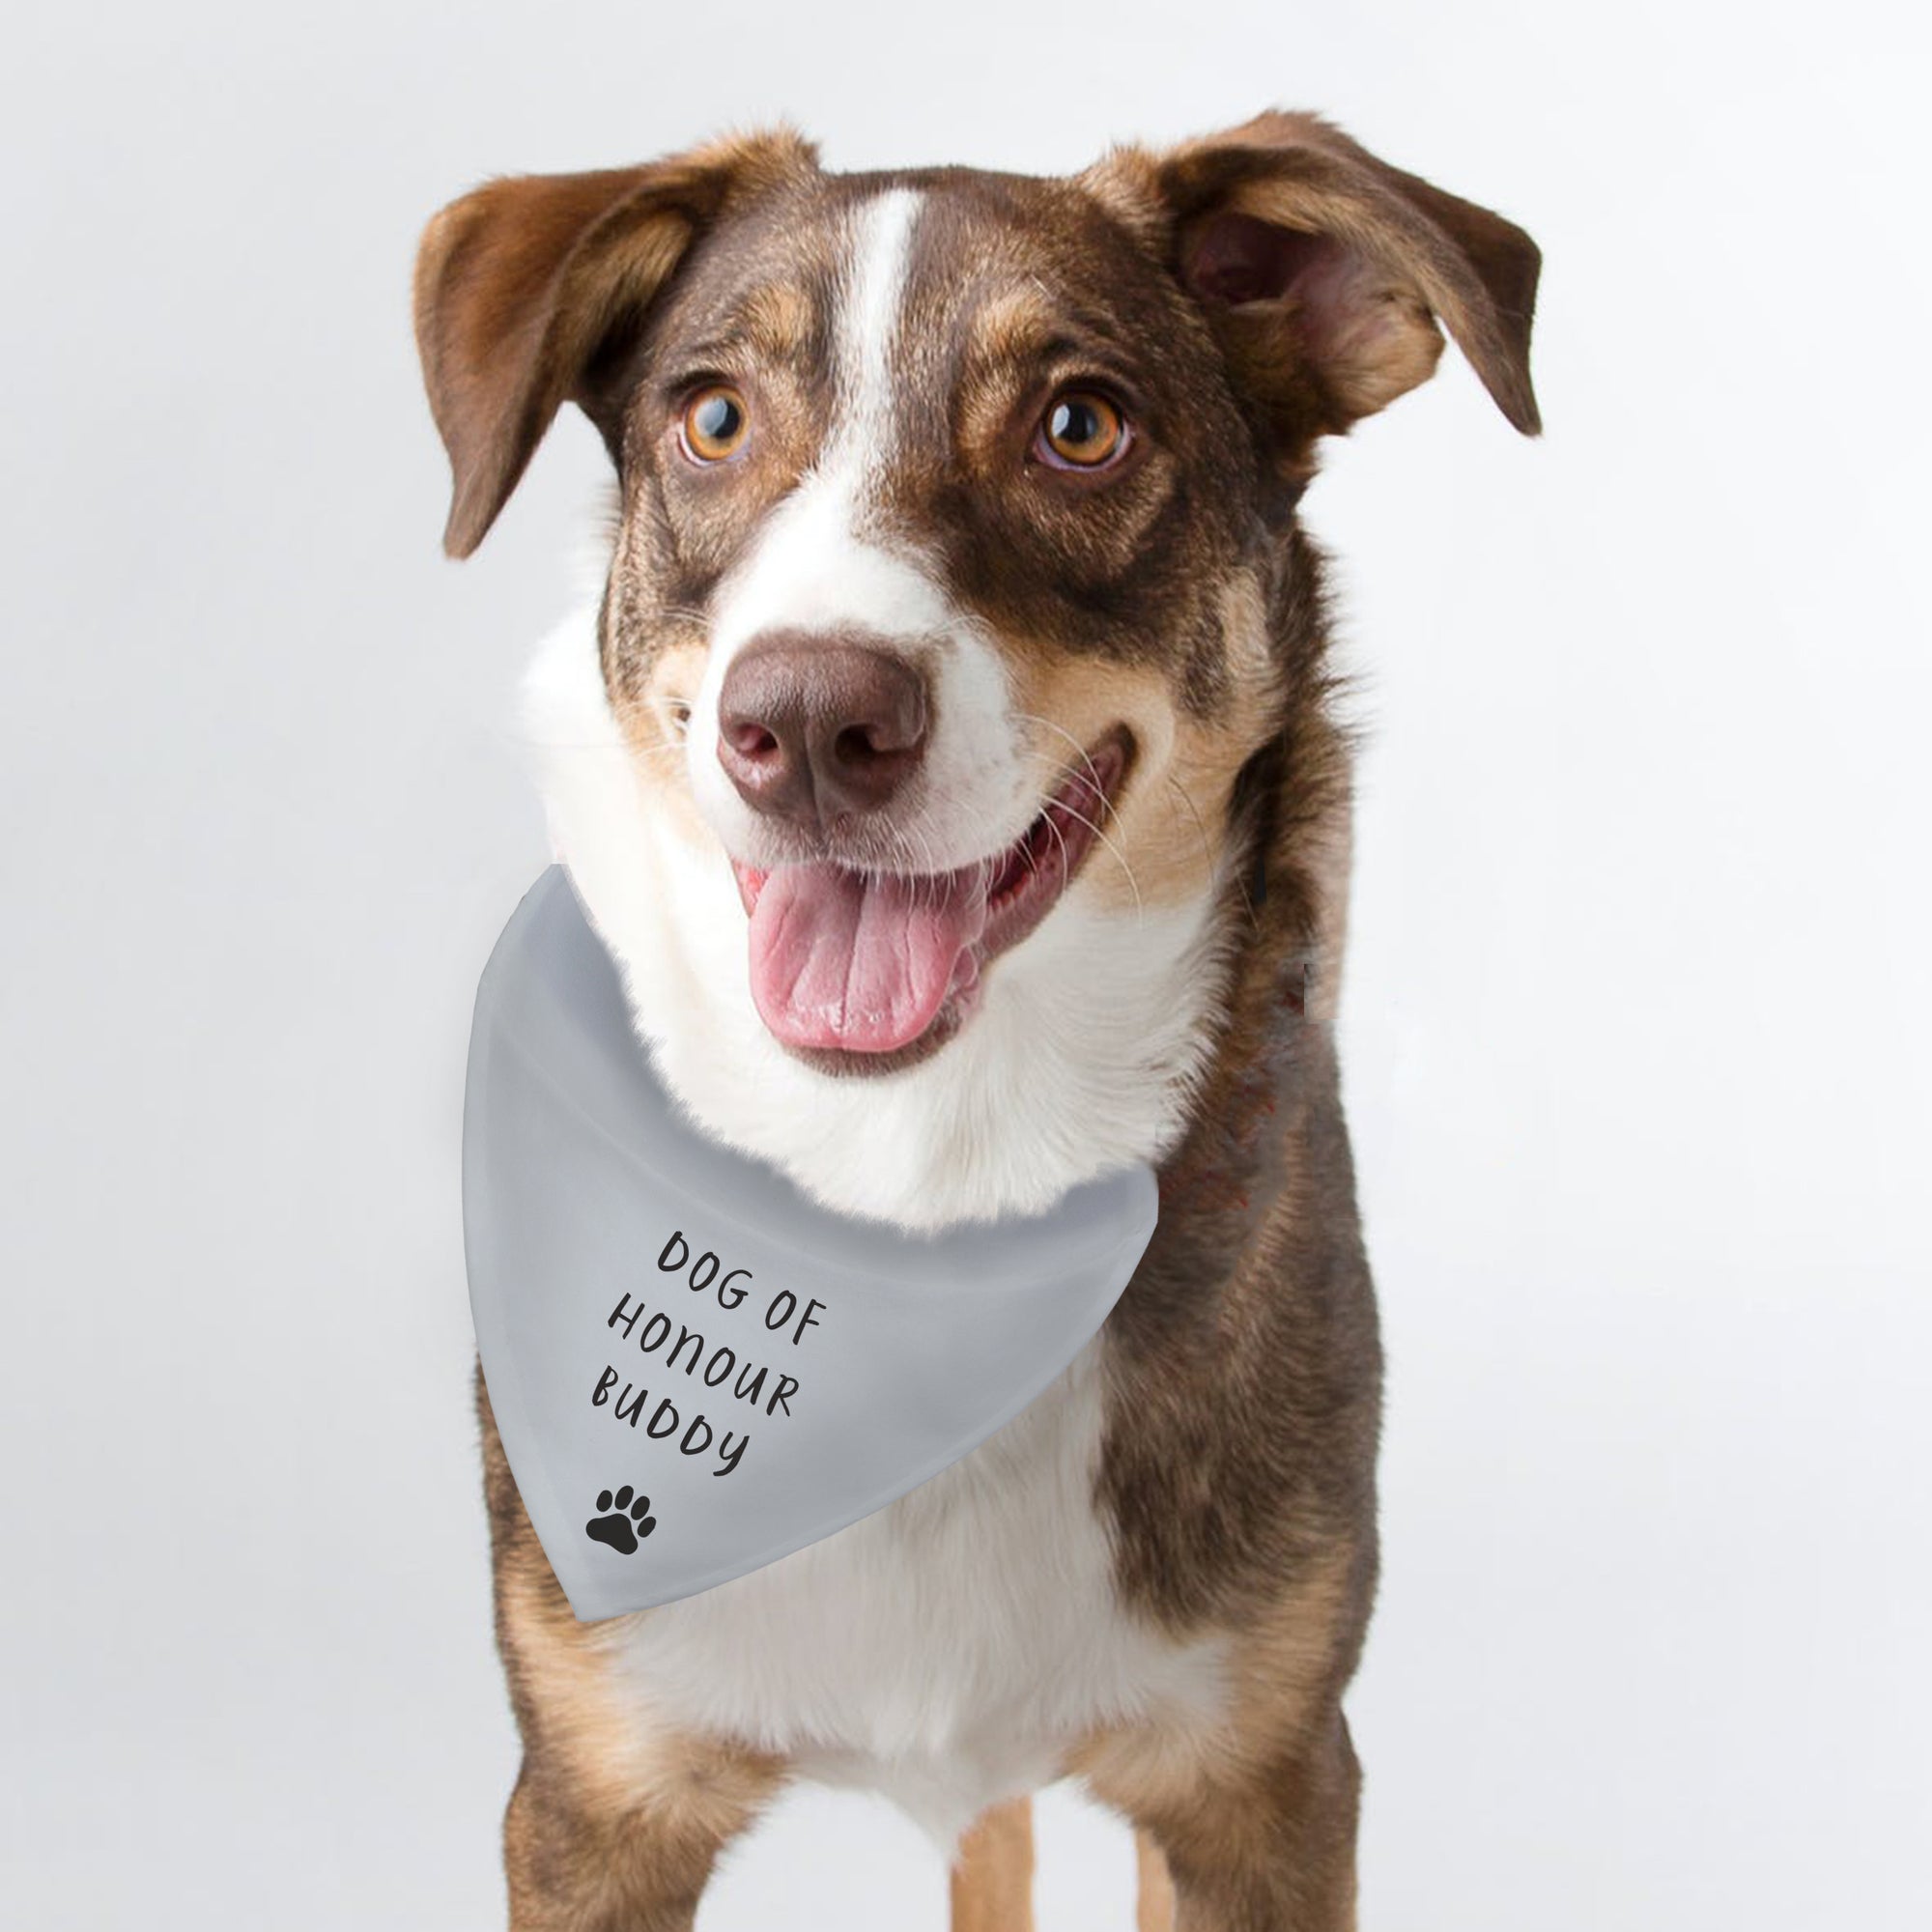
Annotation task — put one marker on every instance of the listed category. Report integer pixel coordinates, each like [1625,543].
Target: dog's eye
[716,422]
[1081,431]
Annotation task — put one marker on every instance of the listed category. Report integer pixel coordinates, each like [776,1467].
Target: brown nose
[815,728]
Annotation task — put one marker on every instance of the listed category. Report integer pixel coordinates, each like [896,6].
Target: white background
[1636,1027]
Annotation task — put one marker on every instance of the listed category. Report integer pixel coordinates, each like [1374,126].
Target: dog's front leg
[1254,1845]
[617,1818]
[575,1867]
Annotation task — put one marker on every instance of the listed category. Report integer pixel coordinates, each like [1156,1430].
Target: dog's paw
[627,1523]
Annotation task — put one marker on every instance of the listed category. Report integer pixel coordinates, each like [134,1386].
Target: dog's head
[956,583]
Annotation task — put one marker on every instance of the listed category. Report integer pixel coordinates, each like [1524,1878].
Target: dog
[952,762]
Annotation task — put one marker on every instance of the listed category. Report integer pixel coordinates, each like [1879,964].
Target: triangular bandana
[695,1369]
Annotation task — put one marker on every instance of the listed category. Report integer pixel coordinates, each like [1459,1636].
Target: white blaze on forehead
[808,569]
[869,330]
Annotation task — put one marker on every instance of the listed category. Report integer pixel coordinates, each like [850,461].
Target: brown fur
[992,1876]
[610,1826]
[1289,283]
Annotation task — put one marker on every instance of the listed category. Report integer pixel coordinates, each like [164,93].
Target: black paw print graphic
[626,1525]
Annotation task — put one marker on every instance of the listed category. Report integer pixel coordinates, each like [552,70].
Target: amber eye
[1081,431]
[715,424]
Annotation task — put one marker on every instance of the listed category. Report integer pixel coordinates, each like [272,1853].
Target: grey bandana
[696,1369]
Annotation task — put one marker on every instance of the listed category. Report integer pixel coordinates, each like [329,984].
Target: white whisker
[1084,756]
[1120,857]
[1207,851]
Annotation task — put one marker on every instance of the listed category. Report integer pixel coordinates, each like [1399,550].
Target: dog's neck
[1086,1055]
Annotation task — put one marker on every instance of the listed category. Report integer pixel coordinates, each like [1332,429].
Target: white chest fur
[946,1651]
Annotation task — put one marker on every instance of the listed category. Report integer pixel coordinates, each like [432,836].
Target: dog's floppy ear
[1324,270]
[529,290]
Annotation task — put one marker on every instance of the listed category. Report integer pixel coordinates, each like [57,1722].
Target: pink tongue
[864,964]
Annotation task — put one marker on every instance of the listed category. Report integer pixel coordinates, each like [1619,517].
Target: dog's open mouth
[888,964]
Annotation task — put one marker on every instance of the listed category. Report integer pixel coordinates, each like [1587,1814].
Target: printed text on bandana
[689,1361]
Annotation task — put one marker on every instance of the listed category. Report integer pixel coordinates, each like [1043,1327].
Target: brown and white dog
[950,764]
